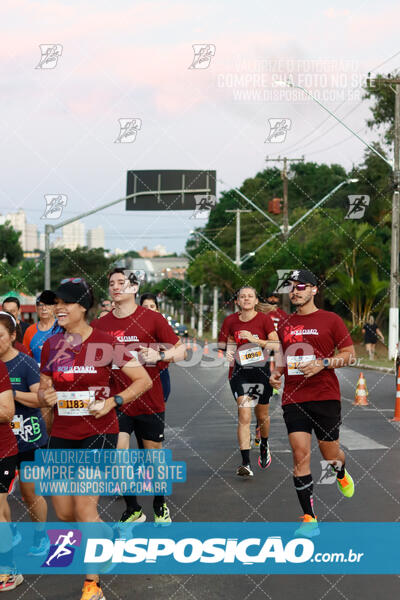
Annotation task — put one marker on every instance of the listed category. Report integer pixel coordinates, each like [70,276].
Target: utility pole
[394,83]
[182,319]
[285,211]
[237,211]
[192,318]
[201,304]
[215,314]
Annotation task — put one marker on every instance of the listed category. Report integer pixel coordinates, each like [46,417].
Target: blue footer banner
[200,548]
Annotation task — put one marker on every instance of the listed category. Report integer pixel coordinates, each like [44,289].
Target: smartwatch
[162,355]
[326,363]
[118,401]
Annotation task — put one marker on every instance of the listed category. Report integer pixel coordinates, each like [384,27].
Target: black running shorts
[322,416]
[146,427]
[7,472]
[28,456]
[103,441]
[251,382]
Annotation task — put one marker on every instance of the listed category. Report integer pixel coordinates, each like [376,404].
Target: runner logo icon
[62,547]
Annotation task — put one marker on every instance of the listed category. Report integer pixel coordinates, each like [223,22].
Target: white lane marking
[352,440]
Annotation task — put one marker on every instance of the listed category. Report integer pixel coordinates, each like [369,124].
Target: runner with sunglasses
[311,394]
[75,380]
[246,335]
[147,334]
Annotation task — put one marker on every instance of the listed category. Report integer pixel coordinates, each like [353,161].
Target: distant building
[158,250]
[29,234]
[159,267]
[31,238]
[95,238]
[73,235]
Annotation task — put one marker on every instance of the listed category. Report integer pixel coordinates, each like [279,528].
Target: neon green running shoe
[346,485]
[309,527]
[136,516]
[162,516]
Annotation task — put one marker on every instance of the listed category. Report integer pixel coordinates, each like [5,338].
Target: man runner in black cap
[311,394]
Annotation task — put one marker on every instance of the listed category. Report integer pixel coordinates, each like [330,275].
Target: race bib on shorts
[74,404]
[293,362]
[247,356]
[17,424]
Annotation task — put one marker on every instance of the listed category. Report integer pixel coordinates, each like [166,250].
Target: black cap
[46,297]
[302,276]
[77,292]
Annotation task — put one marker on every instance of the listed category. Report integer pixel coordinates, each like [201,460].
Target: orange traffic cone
[194,345]
[188,346]
[397,405]
[205,350]
[361,392]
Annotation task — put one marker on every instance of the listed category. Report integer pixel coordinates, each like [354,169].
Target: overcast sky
[127,59]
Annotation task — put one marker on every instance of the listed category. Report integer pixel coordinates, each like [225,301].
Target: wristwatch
[118,401]
[326,363]
[162,355]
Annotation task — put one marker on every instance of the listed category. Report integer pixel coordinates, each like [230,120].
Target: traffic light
[274,206]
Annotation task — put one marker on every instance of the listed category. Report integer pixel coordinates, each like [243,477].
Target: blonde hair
[264,307]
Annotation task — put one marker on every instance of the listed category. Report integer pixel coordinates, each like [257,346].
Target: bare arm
[31,398]
[341,359]
[7,406]
[141,383]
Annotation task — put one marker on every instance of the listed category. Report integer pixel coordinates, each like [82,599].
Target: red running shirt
[8,443]
[261,326]
[144,327]
[75,371]
[316,335]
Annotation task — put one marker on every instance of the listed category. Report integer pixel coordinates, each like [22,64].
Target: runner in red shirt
[75,380]
[245,335]
[8,464]
[311,394]
[147,335]
[271,308]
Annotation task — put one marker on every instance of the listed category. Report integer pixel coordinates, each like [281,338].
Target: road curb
[371,368]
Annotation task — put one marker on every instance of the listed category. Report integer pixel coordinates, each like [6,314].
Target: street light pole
[395,166]
[211,243]
[237,211]
[48,229]
[347,181]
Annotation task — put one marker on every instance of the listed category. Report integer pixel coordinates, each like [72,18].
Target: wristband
[326,363]
[162,355]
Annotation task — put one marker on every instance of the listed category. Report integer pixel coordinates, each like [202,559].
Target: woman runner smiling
[75,364]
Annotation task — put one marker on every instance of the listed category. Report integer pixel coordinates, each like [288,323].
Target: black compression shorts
[103,441]
[322,416]
[7,472]
[253,382]
[146,427]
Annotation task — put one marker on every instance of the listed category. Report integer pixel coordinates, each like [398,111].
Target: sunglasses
[72,280]
[300,287]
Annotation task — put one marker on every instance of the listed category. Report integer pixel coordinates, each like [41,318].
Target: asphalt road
[201,430]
